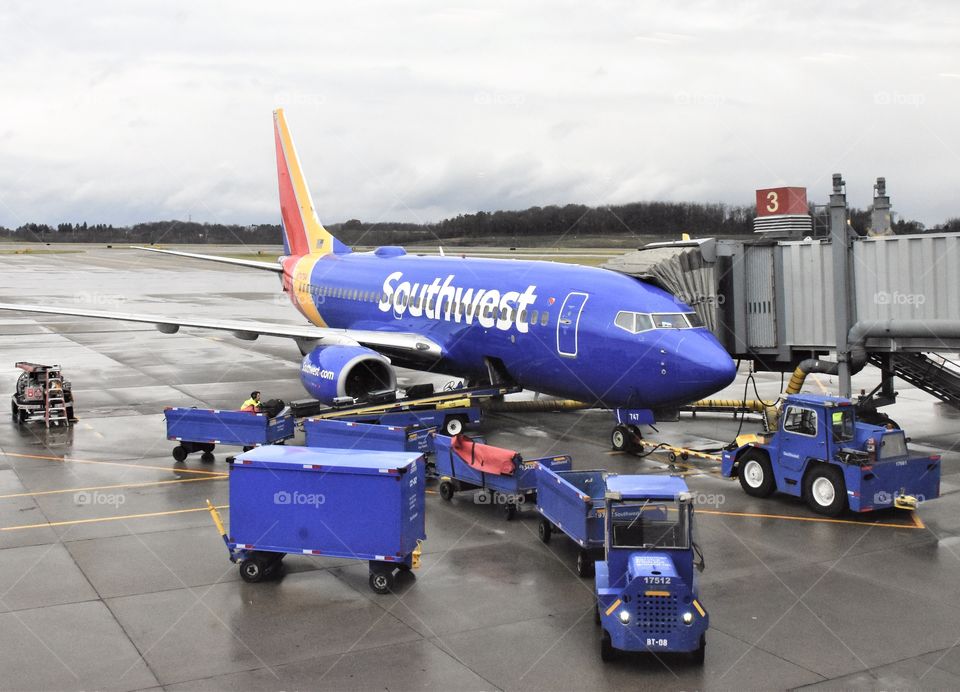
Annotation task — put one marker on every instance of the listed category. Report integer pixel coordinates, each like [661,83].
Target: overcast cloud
[122,112]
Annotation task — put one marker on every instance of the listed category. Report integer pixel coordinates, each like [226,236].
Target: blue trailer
[201,430]
[321,432]
[647,596]
[823,454]
[448,419]
[507,480]
[573,502]
[344,503]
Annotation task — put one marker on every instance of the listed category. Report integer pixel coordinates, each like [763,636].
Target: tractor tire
[824,490]
[756,473]
[585,566]
[544,530]
[381,582]
[698,655]
[253,569]
[453,425]
[179,453]
[607,652]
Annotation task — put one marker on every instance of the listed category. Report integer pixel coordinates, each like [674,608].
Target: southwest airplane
[577,332]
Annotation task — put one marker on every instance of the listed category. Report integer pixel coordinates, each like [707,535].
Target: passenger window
[533,316]
[802,421]
[625,320]
[544,318]
[523,316]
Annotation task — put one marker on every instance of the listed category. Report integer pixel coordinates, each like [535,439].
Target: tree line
[525,227]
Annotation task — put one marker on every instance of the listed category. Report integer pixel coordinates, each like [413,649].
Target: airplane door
[568,324]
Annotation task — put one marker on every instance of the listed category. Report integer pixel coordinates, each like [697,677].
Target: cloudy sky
[123,112]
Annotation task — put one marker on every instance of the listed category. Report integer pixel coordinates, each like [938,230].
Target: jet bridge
[782,299]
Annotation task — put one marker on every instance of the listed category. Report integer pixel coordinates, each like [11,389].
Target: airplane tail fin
[303,234]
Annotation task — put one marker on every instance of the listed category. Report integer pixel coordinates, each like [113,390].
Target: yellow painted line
[612,608]
[74,522]
[696,604]
[112,487]
[821,520]
[109,463]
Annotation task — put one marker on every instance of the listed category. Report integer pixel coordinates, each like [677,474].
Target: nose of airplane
[701,365]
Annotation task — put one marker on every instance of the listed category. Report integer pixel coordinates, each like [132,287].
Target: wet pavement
[112,575]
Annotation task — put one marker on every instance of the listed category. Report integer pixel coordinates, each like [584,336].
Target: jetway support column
[842,280]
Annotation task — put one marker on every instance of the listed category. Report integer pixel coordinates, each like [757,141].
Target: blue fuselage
[552,327]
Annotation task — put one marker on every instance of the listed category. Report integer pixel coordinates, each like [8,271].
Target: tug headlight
[624,617]
[687,618]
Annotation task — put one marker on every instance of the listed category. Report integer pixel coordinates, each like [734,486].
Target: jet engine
[331,373]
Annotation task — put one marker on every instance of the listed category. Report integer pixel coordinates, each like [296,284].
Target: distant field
[40,251]
[590,257]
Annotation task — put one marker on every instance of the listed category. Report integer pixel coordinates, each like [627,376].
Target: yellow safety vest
[250,405]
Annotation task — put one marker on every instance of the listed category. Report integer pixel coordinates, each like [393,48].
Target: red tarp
[500,462]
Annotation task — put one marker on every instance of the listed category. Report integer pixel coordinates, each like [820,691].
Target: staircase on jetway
[935,375]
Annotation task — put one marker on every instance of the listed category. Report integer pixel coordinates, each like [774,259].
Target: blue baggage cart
[201,429]
[573,502]
[344,503]
[322,432]
[460,462]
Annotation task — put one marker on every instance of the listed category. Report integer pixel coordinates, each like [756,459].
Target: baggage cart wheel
[509,511]
[446,490]
[179,453]
[453,425]
[607,652]
[584,563]
[544,530]
[620,438]
[207,457]
[596,615]
[824,490]
[253,569]
[756,474]
[697,655]
[381,581]
[671,457]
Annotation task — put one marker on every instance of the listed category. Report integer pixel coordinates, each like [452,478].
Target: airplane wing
[250,264]
[410,345]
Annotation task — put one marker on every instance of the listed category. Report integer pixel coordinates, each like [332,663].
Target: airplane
[583,333]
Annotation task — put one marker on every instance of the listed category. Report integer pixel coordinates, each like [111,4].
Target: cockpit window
[626,320]
[635,322]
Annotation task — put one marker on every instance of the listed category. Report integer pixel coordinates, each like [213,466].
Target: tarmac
[112,575]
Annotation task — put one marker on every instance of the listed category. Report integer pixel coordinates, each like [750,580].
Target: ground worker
[252,404]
